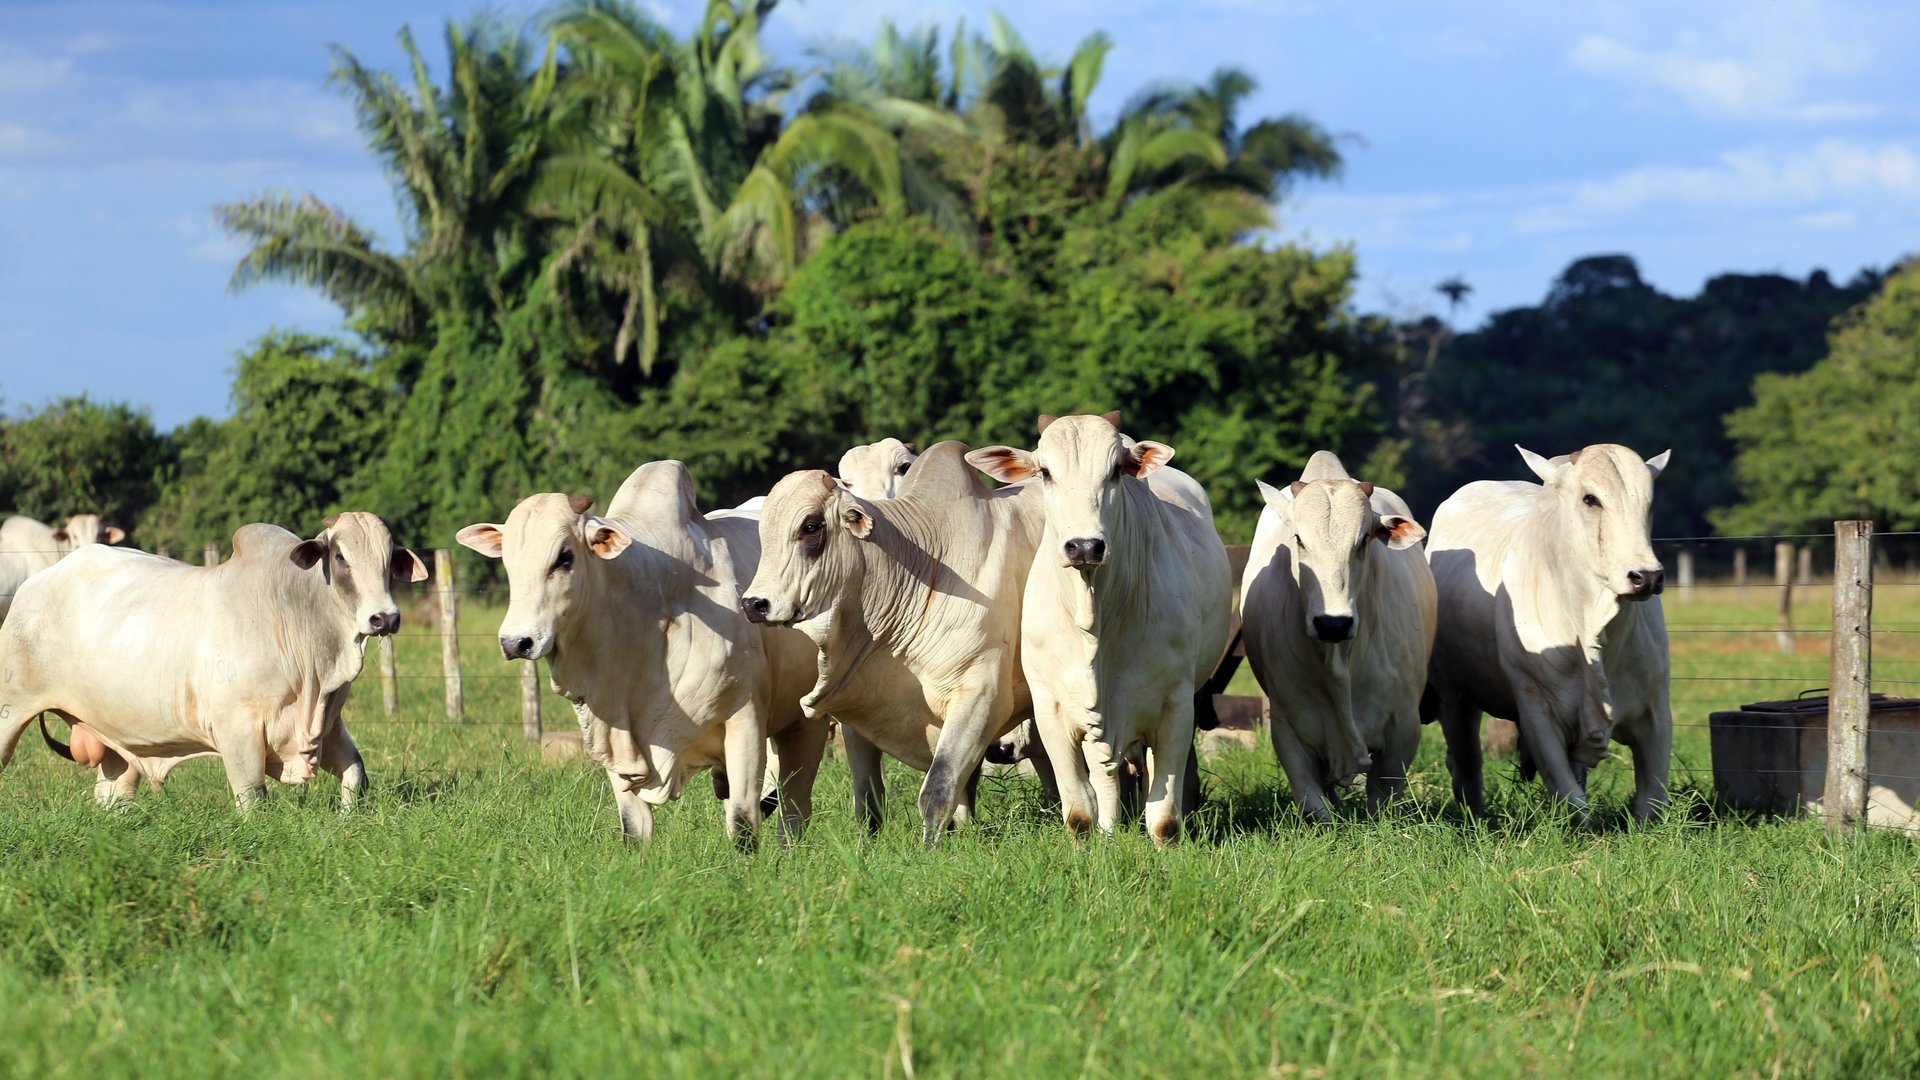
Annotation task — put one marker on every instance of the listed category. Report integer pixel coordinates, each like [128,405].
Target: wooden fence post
[449,634]
[1740,570]
[1686,573]
[1850,676]
[530,699]
[210,555]
[1783,579]
[1805,576]
[389,686]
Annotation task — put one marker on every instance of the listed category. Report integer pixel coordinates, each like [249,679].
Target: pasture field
[480,916]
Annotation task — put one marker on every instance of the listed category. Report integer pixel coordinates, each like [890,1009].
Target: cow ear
[1046,421]
[483,538]
[1279,498]
[308,552]
[857,522]
[1657,464]
[407,566]
[1398,532]
[580,504]
[605,540]
[1547,471]
[1003,463]
[1112,418]
[115,535]
[1144,456]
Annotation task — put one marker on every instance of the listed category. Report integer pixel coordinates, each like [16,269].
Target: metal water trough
[1770,757]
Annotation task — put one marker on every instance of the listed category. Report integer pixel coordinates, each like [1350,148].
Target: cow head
[1081,462]
[1606,491]
[550,544]
[358,558]
[876,470]
[83,529]
[1332,528]
[807,560]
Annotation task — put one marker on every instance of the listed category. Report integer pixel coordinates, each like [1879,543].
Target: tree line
[622,244]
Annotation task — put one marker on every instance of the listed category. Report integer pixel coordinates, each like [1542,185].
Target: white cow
[1337,605]
[251,659]
[875,470]
[638,614]
[1549,615]
[28,547]
[1127,611]
[914,604]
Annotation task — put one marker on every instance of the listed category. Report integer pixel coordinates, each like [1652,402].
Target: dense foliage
[1837,441]
[78,455]
[1609,358]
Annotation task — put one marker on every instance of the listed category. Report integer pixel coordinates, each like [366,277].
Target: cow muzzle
[756,607]
[1086,551]
[381,623]
[520,648]
[1333,629]
[1644,583]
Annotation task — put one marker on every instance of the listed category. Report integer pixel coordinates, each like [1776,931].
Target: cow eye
[901,469]
[340,560]
[811,526]
[564,560]
[1591,501]
[1046,476]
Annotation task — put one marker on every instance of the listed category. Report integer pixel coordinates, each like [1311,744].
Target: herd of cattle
[1073,615]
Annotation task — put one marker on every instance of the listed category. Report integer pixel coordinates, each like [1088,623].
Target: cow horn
[1046,421]
[329,521]
[1112,418]
[580,504]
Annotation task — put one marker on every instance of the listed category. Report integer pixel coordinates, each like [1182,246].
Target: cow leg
[1387,780]
[869,780]
[339,756]
[243,753]
[1190,797]
[1106,772]
[770,783]
[1167,765]
[636,816]
[965,733]
[746,755]
[1549,749]
[1303,772]
[800,749]
[1460,723]
[1043,768]
[1070,774]
[118,780]
[963,810]
[1650,737]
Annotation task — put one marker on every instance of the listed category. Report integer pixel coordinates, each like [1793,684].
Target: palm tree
[1456,290]
[461,159]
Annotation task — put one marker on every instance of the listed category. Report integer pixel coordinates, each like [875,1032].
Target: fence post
[530,700]
[1783,579]
[1805,576]
[1850,676]
[1686,573]
[210,555]
[449,634]
[389,685]
[1740,570]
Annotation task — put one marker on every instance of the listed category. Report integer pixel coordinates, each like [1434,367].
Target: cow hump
[659,491]
[1324,465]
[942,473]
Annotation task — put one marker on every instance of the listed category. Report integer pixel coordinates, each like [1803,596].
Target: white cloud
[1770,60]
[1829,219]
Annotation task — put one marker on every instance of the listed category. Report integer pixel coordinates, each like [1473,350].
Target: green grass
[480,916]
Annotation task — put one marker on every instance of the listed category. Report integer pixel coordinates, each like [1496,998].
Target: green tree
[77,456]
[1836,441]
[308,417]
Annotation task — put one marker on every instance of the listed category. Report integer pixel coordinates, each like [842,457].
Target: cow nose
[1647,582]
[1086,551]
[1333,627]
[756,607]
[383,622]
[516,648]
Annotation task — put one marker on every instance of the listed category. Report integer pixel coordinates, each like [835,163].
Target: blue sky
[1497,140]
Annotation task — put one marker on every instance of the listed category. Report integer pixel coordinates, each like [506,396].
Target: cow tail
[53,744]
